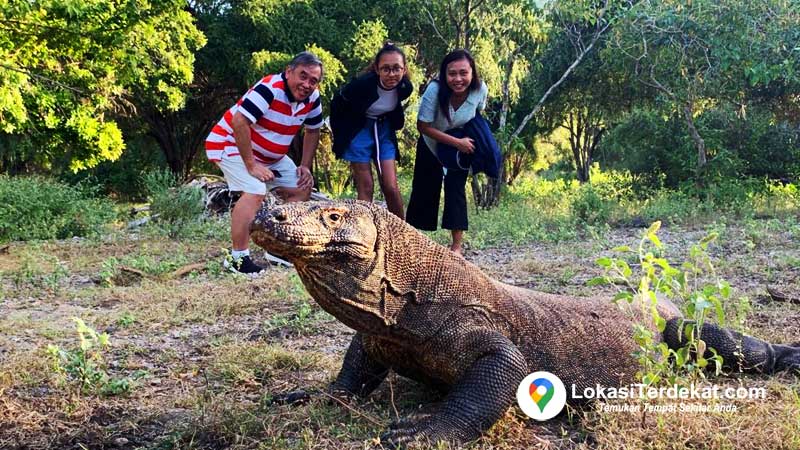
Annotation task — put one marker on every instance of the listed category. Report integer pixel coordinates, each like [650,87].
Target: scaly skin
[430,315]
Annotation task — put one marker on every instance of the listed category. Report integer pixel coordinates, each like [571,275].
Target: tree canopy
[81,79]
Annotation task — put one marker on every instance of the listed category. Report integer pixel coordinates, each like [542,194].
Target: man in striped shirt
[252,139]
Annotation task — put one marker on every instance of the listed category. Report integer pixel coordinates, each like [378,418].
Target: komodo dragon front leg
[360,373]
[487,369]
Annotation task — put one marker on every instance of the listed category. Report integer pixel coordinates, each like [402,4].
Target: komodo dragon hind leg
[739,352]
[492,370]
[360,374]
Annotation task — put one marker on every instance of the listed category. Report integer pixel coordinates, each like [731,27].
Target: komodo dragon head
[346,254]
[309,231]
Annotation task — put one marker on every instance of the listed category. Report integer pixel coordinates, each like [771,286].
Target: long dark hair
[388,47]
[444,90]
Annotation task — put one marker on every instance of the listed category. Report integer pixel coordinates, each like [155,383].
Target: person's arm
[428,110]
[310,144]
[241,133]
[464,144]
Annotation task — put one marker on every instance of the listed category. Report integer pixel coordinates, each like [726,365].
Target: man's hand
[260,172]
[305,180]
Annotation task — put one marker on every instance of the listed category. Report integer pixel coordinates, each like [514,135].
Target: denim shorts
[362,148]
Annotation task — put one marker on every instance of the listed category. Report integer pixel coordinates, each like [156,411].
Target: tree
[696,53]
[69,66]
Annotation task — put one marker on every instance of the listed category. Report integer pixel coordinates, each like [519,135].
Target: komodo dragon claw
[426,432]
[291,398]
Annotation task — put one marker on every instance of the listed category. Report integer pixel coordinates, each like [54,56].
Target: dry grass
[216,347]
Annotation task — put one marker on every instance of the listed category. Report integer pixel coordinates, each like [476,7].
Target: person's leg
[362,177]
[241,217]
[391,192]
[292,194]
[285,186]
[426,188]
[358,154]
[454,216]
[244,212]
[458,237]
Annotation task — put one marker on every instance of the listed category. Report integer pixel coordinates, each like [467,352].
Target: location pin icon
[541,392]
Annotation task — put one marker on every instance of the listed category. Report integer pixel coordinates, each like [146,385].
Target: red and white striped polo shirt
[276,118]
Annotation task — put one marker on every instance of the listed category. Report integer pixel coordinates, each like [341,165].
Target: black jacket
[350,104]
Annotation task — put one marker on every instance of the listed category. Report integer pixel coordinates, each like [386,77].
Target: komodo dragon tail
[739,352]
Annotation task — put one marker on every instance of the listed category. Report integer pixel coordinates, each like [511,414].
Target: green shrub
[122,179]
[172,202]
[694,287]
[41,208]
[590,207]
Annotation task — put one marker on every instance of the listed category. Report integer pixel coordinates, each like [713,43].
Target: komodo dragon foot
[426,432]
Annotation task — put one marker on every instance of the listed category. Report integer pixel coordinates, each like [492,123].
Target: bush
[41,208]
[655,148]
[174,204]
[590,207]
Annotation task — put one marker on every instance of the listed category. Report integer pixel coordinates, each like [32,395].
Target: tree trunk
[699,143]
[488,194]
[584,136]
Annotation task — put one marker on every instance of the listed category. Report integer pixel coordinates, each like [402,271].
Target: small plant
[85,365]
[40,270]
[303,321]
[590,207]
[172,203]
[125,320]
[688,287]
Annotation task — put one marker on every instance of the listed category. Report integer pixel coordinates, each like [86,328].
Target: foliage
[694,287]
[368,37]
[68,65]
[657,150]
[171,202]
[42,208]
[590,207]
[697,53]
[123,179]
[38,270]
[85,365]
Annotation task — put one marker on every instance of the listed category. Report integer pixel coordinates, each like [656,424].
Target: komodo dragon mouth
[310,230]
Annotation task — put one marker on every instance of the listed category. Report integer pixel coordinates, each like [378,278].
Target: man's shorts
[362,148]
[239,179]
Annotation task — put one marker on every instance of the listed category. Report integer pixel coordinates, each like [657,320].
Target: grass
[216,347]
[558,210]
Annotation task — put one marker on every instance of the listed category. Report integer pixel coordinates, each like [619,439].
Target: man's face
[302,80]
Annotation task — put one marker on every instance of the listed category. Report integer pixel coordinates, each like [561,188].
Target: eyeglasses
[386,70]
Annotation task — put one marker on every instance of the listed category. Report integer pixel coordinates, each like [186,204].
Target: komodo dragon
[430,315]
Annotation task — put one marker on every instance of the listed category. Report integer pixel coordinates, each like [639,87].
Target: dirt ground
[210,349]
